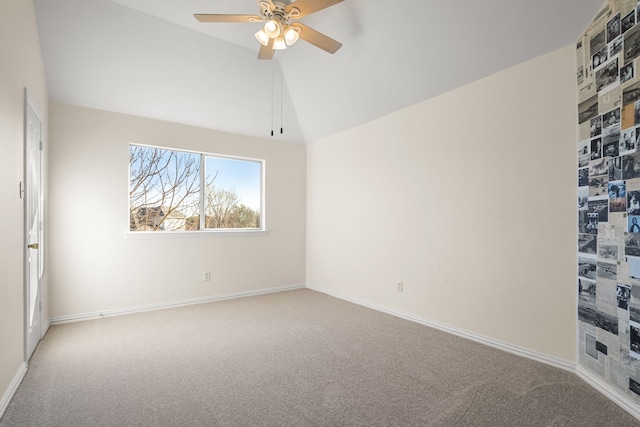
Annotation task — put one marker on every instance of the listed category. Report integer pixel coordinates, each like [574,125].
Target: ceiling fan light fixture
[290,35]
[272,28]
[279,43]
[262,37]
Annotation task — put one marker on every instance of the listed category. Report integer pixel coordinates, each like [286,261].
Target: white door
[33,224]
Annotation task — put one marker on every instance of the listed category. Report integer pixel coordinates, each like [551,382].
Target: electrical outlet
[207,276]
[400,286]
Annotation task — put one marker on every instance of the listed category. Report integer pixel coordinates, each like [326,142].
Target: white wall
[95,267]
[20,67]
[468,198]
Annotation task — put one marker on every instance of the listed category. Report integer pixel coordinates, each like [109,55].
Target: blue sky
[241,176]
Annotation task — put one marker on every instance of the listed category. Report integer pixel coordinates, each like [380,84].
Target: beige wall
[96,267]
[468,198]
[20,67]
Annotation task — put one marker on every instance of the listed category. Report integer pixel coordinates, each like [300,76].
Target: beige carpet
[297,358]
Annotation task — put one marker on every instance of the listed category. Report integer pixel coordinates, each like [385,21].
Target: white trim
[500,345]
[13,387]
[173,304]
[611,393]
[238,232]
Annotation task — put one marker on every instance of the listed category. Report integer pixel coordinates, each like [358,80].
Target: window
[171,190]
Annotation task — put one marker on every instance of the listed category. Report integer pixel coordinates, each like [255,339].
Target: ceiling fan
[278,31]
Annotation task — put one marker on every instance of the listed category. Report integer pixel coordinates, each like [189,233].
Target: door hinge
[41,145]
[21,190]
[40,305]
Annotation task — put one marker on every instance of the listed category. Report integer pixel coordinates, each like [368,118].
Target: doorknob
[32,246]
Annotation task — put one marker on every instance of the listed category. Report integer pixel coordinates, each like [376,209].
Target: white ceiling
[151,58]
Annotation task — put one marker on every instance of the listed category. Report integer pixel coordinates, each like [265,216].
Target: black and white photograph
[607,76]
[615,46]
[600,57]
[634,339]
[632,244]
[611,149]
[587,267]
[596,148]
[598,41]
[591,346]
[628,141]
[592,223]
[598,186]
[587,291]
[630,166]
[595,127]
[634,386]
[588,108]
[583,177]
[634,304]
[606,270]
[584,154]
[627,72]
[628,21]
[631,44]
[583,198]
[630,94]
[587,244]
[587,302]
[608,252]
[613,28]
[583,221]
[611,134]
[623,295]
[607,322]
[636,113]
[633,223]
[633,202]
[599,208]
[599,167]
[615,169]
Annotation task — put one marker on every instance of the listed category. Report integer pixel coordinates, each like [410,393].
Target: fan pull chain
[272,100]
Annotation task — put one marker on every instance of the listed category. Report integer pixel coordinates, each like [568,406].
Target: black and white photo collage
[609,196]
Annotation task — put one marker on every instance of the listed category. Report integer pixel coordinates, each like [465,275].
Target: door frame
[30,342]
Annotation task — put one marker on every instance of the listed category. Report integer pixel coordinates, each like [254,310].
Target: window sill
[150,235]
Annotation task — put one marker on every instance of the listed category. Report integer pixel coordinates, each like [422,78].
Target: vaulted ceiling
[151,58]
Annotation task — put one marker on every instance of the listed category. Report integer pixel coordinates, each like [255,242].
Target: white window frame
[203,232]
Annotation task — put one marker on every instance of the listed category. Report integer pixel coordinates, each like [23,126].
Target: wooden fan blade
[266,52]
[307,7]
[209,17]
[317,39]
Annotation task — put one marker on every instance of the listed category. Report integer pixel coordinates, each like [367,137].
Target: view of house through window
[171,190]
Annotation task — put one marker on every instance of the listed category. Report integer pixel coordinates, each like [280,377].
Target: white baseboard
[611,393]
[500,345]
[13,387]
[173,304]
